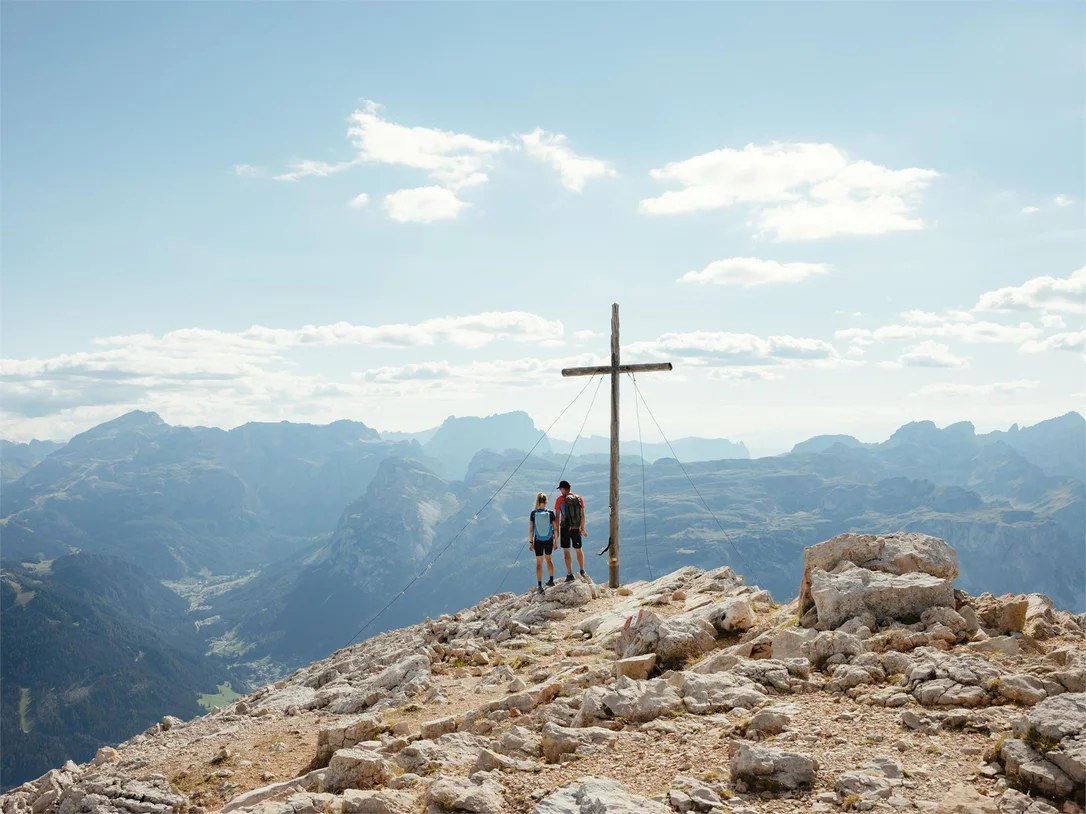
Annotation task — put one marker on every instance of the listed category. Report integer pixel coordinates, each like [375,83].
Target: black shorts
[571,537]
[544,547]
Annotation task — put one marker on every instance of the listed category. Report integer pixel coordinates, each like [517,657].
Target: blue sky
[879,208]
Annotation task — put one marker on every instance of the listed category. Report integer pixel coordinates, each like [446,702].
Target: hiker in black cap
[570,511]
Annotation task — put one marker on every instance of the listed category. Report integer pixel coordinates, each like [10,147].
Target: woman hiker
[542,529]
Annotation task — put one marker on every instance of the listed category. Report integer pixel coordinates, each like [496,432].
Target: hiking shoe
[540,589]
[583,574]
[569,577]
[550,582]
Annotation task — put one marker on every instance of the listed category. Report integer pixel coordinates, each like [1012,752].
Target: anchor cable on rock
[520,550]
[471,520]
[727,536]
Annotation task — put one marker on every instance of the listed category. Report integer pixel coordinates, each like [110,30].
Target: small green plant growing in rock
[996,751]
[933,750]
[850,802]
[1040,742]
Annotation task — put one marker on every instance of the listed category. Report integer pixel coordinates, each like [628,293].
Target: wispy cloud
[927,354]
[955,390]
[798,191]
[1063,200]
[573,169]
[359,201]
[1029,210]
[247,171]
[749,272]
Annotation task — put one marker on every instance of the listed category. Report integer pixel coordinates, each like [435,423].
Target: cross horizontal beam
[596,371]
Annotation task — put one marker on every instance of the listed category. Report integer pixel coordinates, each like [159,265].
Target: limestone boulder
[636,667]
[343,733]
[895,554]
[560,740]
[460,794]
[597,795]
[729,615]
[635,701]
[839,595]
[675,641]
[355,769]
[761,768]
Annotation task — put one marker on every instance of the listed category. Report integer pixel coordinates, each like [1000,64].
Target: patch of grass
[1042,744]
[412,708]
[850,802]
[222,698]
[933,750]
[25,724]
[996,751]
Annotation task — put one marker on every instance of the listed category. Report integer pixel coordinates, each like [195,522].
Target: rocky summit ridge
[880,687]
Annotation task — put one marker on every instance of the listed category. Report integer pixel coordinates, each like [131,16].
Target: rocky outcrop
[761,768]
[486,710]
[1048,752]
[597,795]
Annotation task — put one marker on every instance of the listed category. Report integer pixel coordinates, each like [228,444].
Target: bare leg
[580,559]
[539,569]
[569,565]
[550,567]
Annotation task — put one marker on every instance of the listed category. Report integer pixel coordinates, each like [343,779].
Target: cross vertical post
[612,551]
[615,370]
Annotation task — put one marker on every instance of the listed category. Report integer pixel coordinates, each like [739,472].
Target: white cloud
[951,389]
[965,331]
[513,372]
[928,354]
[815,189]
[573,169]
[423,205]
[452,159]
[307,168]
[759,374]
[1029,210]
[1073,340]
[358,201]
[1053,321]
[209,376]
[1063,294]
[584,336]
[247,171]
[750,272]
[720,349]
[1063,200]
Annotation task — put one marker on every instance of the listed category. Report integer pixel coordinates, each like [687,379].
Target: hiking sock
[583,574]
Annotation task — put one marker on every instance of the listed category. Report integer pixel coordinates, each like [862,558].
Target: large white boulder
[762,768]
[597,795]
[896,554]
[847,592]
[675,641]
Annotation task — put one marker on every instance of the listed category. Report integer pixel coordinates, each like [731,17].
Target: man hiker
[542,527]
[570,510]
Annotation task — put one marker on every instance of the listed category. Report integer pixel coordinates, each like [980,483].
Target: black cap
[564,485]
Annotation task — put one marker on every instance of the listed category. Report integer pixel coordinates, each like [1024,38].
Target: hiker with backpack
[570,511]
[542,528]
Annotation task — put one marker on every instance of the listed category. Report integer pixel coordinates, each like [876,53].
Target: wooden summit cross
[615,369]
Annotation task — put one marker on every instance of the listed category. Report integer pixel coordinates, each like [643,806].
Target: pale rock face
[355,769]
[344,733]
[762,767]
[788,644]
[560,740]
[895,554]
[851,592]
[1059,724]
[638,668]
[1002,614]
[459,794]
[592,795]
[376,802]
[675,641]
[771,720]
[716,692]
[728,615]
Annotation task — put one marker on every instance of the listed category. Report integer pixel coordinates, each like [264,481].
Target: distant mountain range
[287,538]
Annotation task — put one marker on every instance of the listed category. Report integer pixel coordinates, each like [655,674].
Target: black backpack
[572,511]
